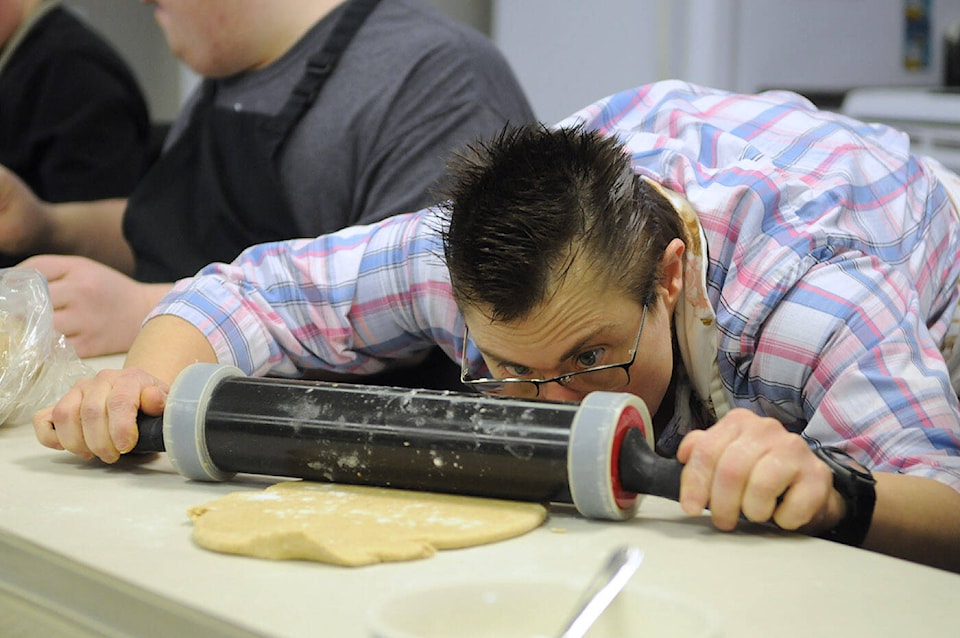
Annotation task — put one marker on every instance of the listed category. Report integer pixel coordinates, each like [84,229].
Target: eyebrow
[574,350]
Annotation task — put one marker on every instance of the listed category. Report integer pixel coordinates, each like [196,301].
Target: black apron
[217,190]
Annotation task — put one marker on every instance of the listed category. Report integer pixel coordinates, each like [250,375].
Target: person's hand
[98,416]
[98,309]
[24,219]
[751,465]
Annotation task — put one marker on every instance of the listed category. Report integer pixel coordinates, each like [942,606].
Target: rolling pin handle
[151,434]
[642,470]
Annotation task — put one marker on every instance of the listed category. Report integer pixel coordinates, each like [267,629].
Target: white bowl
[534,609]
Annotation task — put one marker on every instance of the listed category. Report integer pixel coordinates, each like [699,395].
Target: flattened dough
[354,525]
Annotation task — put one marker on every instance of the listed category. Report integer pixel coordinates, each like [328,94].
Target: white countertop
[911,104]
[129,522]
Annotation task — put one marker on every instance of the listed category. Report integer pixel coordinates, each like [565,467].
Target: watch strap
[857,487]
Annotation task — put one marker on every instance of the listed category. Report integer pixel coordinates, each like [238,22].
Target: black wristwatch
[857,487]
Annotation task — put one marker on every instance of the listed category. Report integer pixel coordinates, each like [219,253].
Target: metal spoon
[604,587]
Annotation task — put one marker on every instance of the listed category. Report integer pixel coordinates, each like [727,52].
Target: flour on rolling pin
[355,525]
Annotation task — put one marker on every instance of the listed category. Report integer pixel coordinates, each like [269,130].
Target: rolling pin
[596,455]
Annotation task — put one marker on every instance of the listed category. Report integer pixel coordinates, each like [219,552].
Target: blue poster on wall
[916,34]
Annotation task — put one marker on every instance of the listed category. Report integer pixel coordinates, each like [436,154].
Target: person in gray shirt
[312,116]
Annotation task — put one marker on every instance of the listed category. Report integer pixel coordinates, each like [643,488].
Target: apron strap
[321,66]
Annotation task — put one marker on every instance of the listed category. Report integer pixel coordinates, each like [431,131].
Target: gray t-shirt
[413,86]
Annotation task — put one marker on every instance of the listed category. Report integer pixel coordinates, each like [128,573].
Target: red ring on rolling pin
[596,439]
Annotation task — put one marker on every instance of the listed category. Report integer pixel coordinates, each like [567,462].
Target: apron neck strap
[321,65]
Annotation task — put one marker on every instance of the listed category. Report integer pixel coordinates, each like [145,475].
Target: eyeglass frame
[559,379]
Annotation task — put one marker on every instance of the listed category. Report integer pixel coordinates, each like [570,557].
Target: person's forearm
[90,229]
[168,344]
[917,519]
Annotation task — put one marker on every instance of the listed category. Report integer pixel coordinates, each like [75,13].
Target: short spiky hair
[524,205]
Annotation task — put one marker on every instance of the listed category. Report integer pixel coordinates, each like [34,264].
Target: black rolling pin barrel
[394,437]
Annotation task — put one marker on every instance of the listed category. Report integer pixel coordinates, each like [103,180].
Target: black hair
[524,205]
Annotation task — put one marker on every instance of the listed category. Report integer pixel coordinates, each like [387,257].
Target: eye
[517,370]
[590,358]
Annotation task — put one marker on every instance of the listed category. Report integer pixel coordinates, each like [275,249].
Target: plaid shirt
[832,271]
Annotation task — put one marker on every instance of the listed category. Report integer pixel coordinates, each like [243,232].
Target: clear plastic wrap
[37,365]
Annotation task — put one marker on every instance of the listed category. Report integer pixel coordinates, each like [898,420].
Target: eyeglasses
[604,377]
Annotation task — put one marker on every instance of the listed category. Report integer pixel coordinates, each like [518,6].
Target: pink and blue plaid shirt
[834,258]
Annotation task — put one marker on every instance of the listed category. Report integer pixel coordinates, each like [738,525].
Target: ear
[671,268]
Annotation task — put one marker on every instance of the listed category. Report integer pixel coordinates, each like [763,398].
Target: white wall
[830,44]
[130,27]
[569,53]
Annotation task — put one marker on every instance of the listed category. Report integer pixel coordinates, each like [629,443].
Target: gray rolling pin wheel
[596,455]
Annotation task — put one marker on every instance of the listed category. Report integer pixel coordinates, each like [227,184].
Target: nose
[556,392]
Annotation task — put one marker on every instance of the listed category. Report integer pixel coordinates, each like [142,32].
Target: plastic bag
[37,365]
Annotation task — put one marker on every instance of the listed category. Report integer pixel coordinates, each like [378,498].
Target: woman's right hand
[98,416]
